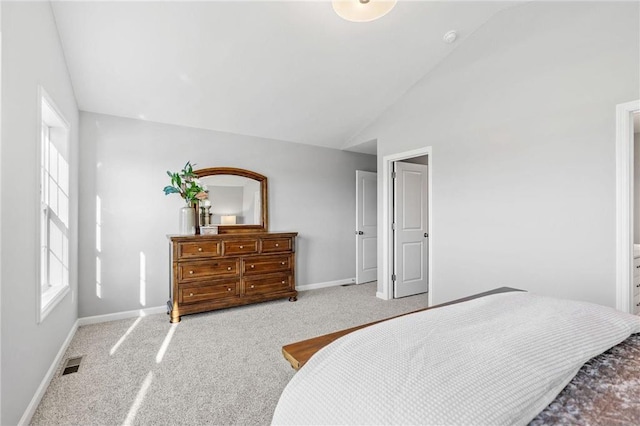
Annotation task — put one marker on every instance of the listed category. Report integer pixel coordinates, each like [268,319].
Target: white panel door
[366,226]
[410,236]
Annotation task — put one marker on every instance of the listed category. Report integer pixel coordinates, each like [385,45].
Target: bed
[505,358]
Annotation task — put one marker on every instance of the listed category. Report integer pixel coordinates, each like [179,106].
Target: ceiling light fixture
[362,10]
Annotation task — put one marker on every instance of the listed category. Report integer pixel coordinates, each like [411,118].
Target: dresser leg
[174,318]
[293,299]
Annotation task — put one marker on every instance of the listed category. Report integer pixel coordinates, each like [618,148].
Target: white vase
[187,221]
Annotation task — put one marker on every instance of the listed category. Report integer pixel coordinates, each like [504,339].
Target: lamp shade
[228,220]
[362,10]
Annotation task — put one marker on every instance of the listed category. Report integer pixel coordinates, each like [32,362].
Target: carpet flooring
[223,367]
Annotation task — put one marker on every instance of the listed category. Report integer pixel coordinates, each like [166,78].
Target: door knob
[359,233]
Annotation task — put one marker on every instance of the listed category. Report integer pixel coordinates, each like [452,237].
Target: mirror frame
[230,229]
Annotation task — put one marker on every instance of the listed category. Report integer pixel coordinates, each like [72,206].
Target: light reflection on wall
[143,279]
[98,247]
[98,277]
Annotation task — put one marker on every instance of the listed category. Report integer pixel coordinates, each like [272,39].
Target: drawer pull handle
[228,289]
[241,247]
[191,272]
[638,266]
[277,245]
[282,282]
[638,304]
[638,285]
[190,294]
[252,286]
[282,263]
[199,248]
[253,266]
[229,268]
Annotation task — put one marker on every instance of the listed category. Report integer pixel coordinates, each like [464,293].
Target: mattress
[500,359]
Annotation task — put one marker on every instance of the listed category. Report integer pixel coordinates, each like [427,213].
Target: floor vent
[72,365]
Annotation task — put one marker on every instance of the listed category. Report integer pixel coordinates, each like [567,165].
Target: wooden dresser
[220,271]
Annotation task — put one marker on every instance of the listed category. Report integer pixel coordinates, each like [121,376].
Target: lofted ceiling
[287,70]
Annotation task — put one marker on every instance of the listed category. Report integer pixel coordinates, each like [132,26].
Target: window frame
[47,300]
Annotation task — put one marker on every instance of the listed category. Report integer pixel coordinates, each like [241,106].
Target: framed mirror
[237,200]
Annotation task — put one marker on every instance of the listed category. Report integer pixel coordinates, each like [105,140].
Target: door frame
[624,203]
[385,244]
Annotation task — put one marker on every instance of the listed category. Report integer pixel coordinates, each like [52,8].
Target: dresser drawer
[266,264]
[198,270]
[194,293]
[271,284]
[241,246]
[636,266]
[272,245]
[192,250]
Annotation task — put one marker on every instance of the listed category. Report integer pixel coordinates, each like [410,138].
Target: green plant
[186,183]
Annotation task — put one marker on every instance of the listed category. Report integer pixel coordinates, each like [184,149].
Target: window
[54,206]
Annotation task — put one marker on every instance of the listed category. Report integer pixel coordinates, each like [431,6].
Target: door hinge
[393,175]
[393,226]
[393,277]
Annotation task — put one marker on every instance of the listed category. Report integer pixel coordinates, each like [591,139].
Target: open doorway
[627,294]
[635,305]
[414,259]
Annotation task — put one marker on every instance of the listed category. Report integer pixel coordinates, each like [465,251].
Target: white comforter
[497,360]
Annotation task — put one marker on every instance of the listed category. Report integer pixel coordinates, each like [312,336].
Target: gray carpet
[222,367]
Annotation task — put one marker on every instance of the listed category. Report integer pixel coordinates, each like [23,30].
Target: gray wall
[521,118]
[31,55]
[124,162]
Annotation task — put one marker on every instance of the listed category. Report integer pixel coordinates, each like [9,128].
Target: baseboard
[122,315]
[37,397]
[316,286]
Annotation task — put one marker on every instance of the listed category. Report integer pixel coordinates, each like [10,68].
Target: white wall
[124,162]
[1,144]
[31,55]
[636,188]
[521,118]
